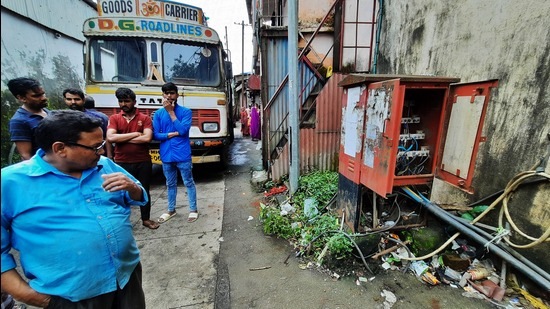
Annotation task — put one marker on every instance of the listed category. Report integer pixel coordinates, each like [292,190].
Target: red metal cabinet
[406,130]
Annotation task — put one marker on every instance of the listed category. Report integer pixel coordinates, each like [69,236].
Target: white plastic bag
[310,207]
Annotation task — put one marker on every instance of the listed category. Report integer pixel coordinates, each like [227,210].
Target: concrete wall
[310,12]
[322,47]
[477,40]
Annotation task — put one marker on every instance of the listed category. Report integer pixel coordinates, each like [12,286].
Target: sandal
[193,216]
[166,216]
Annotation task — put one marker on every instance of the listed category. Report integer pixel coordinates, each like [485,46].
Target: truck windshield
[191,64]
[125,60]
[114,60]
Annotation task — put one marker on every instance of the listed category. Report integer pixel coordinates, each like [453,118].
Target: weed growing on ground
[309,233]
[321,186]
[276,224]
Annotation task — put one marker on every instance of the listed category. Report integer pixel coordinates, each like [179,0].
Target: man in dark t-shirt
[75,99]
[131,132]
[33,98]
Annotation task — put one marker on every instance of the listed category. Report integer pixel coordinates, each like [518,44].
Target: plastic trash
[468,216]
[389,297]
[464,280]
[296,225]
[419,267]
[479,209]
[286,209]
[402,252]
[452,274]
[435,262]
[310,207]
[479,273]
[429,278]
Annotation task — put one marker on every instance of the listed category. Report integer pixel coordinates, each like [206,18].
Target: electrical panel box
[406,130]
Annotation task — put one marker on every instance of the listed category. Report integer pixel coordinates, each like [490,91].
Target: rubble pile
[449,256]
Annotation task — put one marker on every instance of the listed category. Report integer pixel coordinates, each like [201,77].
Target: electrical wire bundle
[407,163]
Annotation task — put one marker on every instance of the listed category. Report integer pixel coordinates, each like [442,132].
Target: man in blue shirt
[74,235]
[171,125]
[33,98]
[75,99]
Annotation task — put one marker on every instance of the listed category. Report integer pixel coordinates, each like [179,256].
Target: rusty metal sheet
[319,146]
[354,79]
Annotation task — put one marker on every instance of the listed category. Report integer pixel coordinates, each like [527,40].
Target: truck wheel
[224,157]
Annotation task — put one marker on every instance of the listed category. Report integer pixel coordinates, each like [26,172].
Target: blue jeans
[170,170]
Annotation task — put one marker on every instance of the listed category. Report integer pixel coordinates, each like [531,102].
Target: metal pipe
[443,215]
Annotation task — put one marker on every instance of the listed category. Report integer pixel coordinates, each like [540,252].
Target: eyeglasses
[97,149]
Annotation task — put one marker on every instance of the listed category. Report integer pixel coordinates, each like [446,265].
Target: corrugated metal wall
[43,40]
[275,72]
[318,146]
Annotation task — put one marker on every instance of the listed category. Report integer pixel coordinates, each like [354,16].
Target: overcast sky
[230,13]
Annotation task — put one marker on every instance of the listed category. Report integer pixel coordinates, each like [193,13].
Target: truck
[142,44]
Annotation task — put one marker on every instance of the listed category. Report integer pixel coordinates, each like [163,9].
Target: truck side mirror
[228,69]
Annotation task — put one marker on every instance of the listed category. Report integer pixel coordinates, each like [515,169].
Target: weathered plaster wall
[477,40]
[322,48]
[311,12]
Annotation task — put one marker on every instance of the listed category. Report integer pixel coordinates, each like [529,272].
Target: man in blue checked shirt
[67,212]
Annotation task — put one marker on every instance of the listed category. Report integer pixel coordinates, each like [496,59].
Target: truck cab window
[118,60]
[191,64]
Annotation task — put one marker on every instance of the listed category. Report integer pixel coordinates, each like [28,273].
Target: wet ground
[259,271]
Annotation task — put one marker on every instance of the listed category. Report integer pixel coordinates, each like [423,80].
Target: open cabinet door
[468,106]
[382,122]
[353,113]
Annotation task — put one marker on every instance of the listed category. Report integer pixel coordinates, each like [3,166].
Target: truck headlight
[210,127]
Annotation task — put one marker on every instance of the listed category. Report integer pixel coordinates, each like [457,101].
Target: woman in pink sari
[255,123]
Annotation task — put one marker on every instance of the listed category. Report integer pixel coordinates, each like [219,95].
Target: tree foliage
[63,75]
[184,69]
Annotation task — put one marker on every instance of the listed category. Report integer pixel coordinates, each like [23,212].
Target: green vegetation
[321,186]
[310,232]
[63,76]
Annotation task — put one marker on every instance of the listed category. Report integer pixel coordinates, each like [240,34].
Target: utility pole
[226,40]
[243,88]
[243,83]
[242,69]
[293,95]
